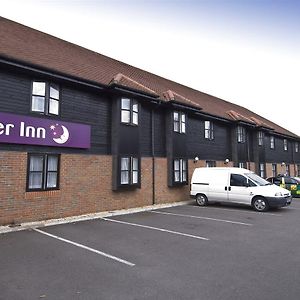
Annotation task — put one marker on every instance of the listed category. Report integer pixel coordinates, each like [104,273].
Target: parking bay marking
[197,217]
[244,211]
[86,248]
[158,229]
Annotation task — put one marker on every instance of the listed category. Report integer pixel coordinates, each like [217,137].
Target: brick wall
[85,187]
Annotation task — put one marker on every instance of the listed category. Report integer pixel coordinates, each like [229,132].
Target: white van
[236,185]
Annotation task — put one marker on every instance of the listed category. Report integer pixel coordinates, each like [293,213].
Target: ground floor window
[287,169]
[298,170]
[243,165]
[274,170]
[180,170]
[43,172]
[211,164]
[262,170]
[129,171]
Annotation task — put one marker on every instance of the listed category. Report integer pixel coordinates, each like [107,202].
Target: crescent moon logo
[64,134]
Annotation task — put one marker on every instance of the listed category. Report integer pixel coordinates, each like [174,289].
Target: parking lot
[182,252]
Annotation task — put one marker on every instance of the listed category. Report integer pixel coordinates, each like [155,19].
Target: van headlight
[279,194]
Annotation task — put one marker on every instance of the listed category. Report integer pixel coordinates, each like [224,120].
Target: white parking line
[86,248]
[158,229]
[197,217]
[239,210]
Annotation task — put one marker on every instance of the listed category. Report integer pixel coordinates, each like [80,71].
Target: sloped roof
[30,46]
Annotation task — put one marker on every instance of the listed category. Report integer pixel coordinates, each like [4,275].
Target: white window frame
[209,130]
[210,164]
[130,113]
[272,142]
[285,144]
[262,170]
[241,134]
[132,170]
[260,138]
[179,122]
[180,170]
[274,170]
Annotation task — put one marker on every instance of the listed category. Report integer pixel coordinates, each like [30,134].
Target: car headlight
[279,194]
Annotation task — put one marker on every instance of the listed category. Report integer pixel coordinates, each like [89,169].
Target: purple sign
[18,129]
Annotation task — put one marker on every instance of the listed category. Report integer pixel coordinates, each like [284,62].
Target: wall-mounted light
[226,161]
[196,159]
[283,164]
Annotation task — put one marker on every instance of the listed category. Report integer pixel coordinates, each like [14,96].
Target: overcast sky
[246,52]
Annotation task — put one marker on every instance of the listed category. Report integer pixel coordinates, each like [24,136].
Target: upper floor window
[45,98]
[179,121]
[285,145]
[211,164]
[42,172]
[180,170]
[241,134]
[129,111]
[272,142]
[129,171]
[296,147]
[260,138]
[208,130]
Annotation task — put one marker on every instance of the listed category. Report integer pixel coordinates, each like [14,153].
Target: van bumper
[279,201]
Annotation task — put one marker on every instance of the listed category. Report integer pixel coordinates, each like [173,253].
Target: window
[45,98]
[238,180]
[274,170]
[260,138]
[180,170]
[211,164]
[243,165]
[285,145]
[298,170]
[208,130]
[262,170]
[241,134]
[287,169]
[296,147]
[129,111]
[179,121]
[43,172]
[272,142]
[129,171]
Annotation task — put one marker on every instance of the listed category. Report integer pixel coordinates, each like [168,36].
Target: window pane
[124,177]
[125,116]
[39,88]
[52,163]
[183,175]
[125,104]
[53,107]
[176,116]
[135,118]
[124,164]
[135,107]
[54,91]
[183,127]
[135,164]
[183,118]
[134,177]
[176,165]
[38,104]
[52,180]
[183,164]
[35,180]
[36,163]
[207,124]
[176,126]
[176,176]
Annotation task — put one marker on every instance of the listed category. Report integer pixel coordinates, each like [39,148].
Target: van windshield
[258,180]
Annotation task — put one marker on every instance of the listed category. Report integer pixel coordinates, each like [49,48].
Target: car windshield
[258,180]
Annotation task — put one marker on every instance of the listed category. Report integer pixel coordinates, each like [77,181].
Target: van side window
[238,180]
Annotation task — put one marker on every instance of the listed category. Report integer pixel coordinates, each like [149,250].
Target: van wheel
[260,204]
[201,200]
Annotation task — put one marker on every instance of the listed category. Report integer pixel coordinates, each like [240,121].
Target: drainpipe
[153,153]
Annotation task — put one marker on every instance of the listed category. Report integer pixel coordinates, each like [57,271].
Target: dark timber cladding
[145,132]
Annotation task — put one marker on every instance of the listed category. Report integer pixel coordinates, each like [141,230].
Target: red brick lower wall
[85,187]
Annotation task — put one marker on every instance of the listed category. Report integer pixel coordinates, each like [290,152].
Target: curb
[87,217]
